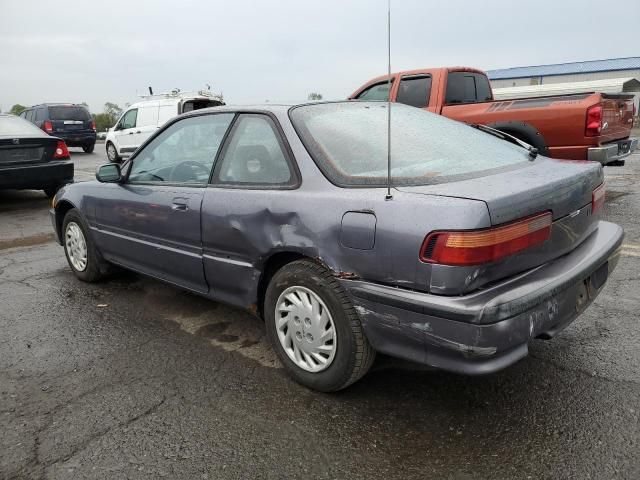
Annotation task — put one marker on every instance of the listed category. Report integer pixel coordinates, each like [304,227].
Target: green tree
[314,96]
[108,118]
[17,109]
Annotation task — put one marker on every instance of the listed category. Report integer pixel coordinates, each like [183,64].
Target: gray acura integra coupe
[281,210]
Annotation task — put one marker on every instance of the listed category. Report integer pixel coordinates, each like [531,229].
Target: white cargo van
[141,119]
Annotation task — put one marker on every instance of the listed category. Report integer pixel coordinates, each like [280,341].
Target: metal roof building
[628,67]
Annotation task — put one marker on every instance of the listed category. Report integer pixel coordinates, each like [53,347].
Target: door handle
[180,204]
[130,133]
[138,131]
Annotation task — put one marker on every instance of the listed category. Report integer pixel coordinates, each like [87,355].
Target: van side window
[129,119]
[39,115]
[415,91]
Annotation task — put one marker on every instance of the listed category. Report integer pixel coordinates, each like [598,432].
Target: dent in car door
[151,223]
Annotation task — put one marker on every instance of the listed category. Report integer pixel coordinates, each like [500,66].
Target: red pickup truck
[583,126]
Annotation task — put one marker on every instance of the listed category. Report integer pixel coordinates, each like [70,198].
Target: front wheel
[81,253]
[314,328]
[112,153]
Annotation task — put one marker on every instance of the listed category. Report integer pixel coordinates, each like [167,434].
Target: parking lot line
[630,245]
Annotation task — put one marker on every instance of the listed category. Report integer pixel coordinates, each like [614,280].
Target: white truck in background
[140,120]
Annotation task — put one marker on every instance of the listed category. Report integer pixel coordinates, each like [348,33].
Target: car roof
[262,107]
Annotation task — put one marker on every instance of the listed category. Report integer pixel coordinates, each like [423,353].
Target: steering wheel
[187,166]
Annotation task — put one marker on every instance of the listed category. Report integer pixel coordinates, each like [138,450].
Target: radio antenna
[389,196]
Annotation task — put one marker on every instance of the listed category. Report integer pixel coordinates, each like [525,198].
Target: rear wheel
[314,328]
[112,153]
[88,148]
[81,253]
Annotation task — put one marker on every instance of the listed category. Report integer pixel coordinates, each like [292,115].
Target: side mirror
[109,173]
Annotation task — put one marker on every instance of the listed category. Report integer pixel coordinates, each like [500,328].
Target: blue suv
[69,121]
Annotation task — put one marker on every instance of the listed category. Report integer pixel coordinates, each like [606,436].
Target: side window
[182,153]
[467,87]
[39,115]
[254,155]
[379,91]
[129,119]
[29,115]
[415,91]
[23,114]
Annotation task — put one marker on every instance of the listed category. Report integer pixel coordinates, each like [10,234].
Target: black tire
[89,148]
[353,355]
[616,163]
[96,267]
[112,153]
[51,190]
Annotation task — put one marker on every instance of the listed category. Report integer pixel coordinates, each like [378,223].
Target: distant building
[574,76]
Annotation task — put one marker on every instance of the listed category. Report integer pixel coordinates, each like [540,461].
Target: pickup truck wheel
[112,153]
[88,148]
[314,328]
[81,253]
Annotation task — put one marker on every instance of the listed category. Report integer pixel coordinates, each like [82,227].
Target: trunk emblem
[16,141]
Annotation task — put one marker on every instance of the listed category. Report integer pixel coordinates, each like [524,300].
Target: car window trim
[296,179]
[131,159]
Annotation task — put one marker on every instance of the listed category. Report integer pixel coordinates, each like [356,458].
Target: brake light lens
[485,246]
[597,198]
[593,125]
[61,152]
[47,126]
[93,125]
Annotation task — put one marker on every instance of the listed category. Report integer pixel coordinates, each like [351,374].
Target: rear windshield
[11,126]
[348,141]
[69,113]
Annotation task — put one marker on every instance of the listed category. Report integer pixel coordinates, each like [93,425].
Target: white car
[143,118]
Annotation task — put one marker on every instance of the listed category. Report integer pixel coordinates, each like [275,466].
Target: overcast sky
[280,50]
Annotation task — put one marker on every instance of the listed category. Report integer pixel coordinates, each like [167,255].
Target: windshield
[348,141]
[69,113]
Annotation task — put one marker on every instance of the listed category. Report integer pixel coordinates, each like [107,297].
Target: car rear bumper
[612,152]
[77,139]
[490,329]
[36,176]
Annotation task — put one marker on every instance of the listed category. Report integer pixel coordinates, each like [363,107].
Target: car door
[150,222]
[246,208]
[146,123]
[125,132]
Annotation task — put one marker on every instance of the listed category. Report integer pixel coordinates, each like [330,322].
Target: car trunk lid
[18,151]
[564,188]
[559,186]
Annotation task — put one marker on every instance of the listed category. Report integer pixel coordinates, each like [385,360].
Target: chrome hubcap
[111,152]
[305,329]
[76,246]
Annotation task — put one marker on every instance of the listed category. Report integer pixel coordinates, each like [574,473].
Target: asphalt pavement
[131,378]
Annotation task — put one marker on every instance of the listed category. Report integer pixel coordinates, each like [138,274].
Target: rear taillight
[47,126]
[485,246]
[93,125]
[61,152]
[593,125]
[597,198]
